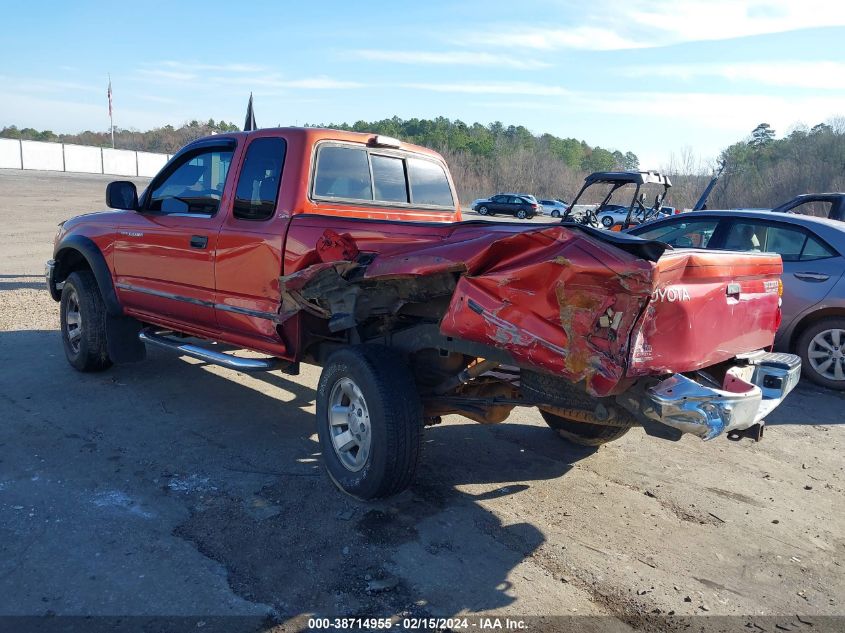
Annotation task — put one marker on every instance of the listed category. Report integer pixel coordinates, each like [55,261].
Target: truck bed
[591,306]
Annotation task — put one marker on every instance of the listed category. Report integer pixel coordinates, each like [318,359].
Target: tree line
[761,170]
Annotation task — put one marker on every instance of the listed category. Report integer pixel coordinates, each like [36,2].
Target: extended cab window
[258,182]
[194,185]
[429,184]
[379,176]
[343,172]
[389,179]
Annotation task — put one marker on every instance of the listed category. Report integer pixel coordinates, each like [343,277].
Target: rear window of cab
[356,173]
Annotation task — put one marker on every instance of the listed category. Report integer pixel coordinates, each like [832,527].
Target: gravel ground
[170,488]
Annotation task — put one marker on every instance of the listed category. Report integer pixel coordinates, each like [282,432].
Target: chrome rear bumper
[750,391]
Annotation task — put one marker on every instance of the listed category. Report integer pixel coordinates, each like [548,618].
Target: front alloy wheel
[607,221]
[482,211]
[82,316]
[72,321]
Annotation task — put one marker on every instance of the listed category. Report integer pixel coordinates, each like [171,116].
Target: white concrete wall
[120,162]
[10,154]
[45,156]
[149,164]
[84,159]
[15,154]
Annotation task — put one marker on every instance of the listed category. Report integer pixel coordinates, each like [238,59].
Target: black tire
[83,323]
[821,331]
[555,213]
[522,214]
[483,210]
[607,221]
[560,393]
[393,413]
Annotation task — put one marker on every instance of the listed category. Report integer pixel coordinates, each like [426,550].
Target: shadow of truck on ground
[146,459]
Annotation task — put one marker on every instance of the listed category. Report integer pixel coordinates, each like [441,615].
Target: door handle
[811,276]
[199,241]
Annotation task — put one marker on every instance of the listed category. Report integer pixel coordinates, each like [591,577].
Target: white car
[554,208]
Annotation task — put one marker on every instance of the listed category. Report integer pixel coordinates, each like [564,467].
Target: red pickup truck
[348,251]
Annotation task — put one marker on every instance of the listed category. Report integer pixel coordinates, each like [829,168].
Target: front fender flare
[86,247]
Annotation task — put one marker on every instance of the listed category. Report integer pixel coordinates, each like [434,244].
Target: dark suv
[509,204]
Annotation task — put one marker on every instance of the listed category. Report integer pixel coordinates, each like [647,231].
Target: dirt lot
[171,487]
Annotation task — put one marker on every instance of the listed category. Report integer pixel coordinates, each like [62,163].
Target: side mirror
[122,194]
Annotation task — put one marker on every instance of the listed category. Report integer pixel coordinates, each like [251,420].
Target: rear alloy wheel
[83,321]
[369,421]
[483,211]
[607,221]
[521,214]
[555,213]
[822,350]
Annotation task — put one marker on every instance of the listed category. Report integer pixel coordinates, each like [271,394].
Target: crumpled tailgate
[557,300]
[707,307]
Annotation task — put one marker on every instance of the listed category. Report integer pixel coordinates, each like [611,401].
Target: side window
[814,249]
[515,200]
[688,234]
[746,236]
[817,208]
[389,179]
[258,182]
[429,184]
[195,185]
[343,172]
[786,241]
[498,199]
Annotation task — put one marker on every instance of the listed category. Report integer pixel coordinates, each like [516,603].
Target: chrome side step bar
[158,338]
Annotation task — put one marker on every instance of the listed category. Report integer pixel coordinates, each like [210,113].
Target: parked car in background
[508,204]
[813,253]
[612,214]
[554,208]
[820,205]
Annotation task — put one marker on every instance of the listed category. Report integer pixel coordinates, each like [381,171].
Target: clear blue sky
[650,76]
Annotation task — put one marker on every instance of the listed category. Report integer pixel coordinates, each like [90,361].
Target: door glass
[687,234]
[746,236]
[196,184]
[258,182]
[786,241]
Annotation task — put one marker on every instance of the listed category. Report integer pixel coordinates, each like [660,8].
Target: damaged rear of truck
[600,331]
[348,251]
